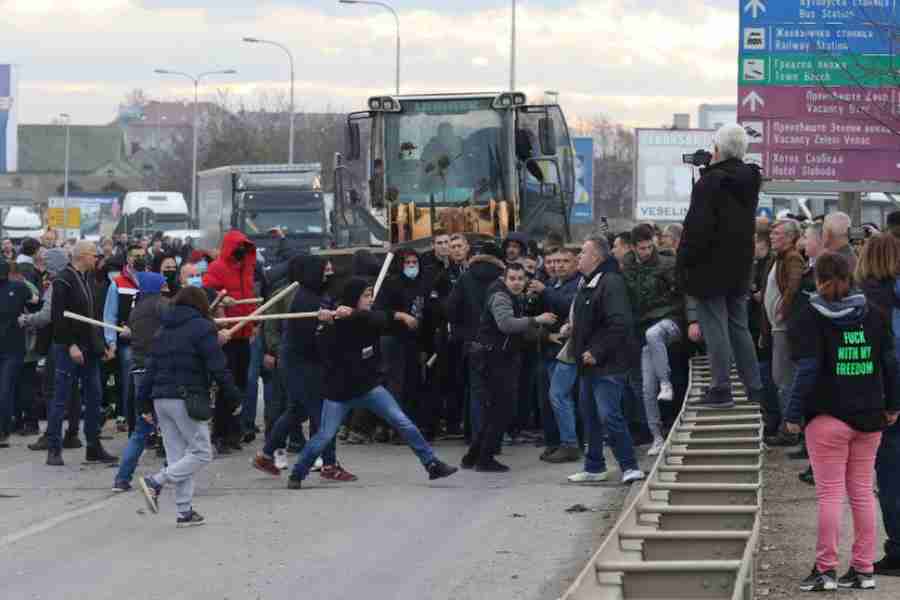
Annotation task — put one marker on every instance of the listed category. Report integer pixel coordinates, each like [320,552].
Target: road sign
[55,218]
[809,69]
[765,12]
[819,133]
[809,38]
[816,101]
[832,165]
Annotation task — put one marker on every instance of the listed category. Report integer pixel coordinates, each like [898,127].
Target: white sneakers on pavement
[632,475]
[585,477]
[666,394]
[657,447]
[281,459]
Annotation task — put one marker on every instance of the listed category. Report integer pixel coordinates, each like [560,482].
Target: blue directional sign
[808,38]
[770,12]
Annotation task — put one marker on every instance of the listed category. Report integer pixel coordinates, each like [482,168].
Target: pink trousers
[843,462]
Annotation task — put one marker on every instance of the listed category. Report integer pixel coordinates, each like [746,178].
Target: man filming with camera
[715,259]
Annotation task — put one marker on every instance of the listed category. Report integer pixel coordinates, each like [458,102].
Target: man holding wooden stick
[77,350]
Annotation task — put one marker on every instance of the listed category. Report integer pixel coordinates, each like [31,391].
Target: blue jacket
[185,353]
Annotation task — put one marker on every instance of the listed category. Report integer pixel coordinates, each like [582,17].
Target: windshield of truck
[448,149]
[292,222]
[171,222]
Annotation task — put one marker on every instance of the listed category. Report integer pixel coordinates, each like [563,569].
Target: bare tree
[613,165]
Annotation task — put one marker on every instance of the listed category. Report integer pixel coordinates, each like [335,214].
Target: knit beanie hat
[353,291]
[55,260]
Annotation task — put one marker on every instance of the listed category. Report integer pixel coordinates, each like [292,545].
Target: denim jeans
[25,411]
[379,401]
[10,365]
[548,417]
[91,394]
[772,407]
[607,392]
[137,441]
[561,385]
[656,370]
[889,488]
[304,389]
[251,398]
[123,361]
[594,430]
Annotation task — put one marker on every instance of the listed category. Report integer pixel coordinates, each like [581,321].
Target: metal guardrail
[692,530]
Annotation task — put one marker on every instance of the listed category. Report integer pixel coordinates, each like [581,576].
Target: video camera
[700,158]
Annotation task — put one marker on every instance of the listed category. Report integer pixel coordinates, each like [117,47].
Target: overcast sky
[635,61]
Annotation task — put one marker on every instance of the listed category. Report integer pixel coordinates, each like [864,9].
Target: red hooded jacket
[236,278]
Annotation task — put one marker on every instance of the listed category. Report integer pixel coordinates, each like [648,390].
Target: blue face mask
[112,276]
[195,281]
[411,272]
[202,266]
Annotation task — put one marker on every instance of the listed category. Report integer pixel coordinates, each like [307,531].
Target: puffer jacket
[653,290]
[235,277]
[185,353]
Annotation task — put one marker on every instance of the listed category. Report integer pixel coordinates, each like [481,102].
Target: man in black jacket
[349,351]
[77,350]
[715,259]
[604,347]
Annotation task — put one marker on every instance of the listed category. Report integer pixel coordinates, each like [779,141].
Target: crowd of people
[523,343]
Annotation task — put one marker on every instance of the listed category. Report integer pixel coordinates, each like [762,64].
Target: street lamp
[396,20]
[512,50]
[252,40]
[196,79]
[67,119]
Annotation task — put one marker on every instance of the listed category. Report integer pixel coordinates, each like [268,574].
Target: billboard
[583,207]
[817,89]
[8,127]
[662,182]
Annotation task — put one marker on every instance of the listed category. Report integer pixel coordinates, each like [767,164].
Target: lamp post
[196,79]
[65,117]
[252,40]
[396,20]
[512,50]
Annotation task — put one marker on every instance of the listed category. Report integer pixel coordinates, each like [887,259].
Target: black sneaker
[122,486]
[807,477]
[4,440]
[716,398]
[819,582]
[547,452]
[467,462]
[783,439]
[438,470]
[855,580]
[189,519]
[71,442]
[492,467]
[888,566]
[54,458]
[151,491]
[99,454]
[294,484]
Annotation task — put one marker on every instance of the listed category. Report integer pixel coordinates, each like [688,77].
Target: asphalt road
[392,535]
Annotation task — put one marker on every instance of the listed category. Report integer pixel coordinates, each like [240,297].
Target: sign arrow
[756,6]
[754,100]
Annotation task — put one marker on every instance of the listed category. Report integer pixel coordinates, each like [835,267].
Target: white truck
[20,222]
[145,213]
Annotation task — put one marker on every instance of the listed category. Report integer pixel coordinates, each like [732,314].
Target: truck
[145,213]
[481,164]
[256,199]
[20,222]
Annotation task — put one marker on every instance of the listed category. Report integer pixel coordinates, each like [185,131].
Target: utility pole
[851,203]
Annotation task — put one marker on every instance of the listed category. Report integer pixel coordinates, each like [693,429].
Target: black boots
[97,453]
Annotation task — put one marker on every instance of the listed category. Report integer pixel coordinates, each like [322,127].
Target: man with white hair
[714,261]
[836,237]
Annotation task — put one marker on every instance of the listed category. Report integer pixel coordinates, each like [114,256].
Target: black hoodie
[402,294]
[716,252]
[300,341]
[469,296]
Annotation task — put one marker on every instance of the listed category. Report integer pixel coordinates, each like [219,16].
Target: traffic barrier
[692,530]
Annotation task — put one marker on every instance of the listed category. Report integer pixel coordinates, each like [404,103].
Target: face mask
[112,275]
[239,253]
[195,281]
[411,272]
[139,264]
[202,266]
[171,279]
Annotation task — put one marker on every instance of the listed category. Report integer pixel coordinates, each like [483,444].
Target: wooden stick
[219,297]
[263,308]
[431,360]
[95,323]
[302,315]
[247,301]
[384,270]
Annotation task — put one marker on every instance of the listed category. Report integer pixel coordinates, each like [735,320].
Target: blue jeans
[379,401]
[123,359]
[304,389]
[607,392]
[10,365]
[594,431]
[137,441]
[562,383]
[548,417]
[251,399]
[889,488]
[91,395]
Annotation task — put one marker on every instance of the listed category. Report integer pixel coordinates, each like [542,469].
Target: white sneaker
[632,475]
[281,459]
[317,466]
[666,394]
[657,447]
[585,477]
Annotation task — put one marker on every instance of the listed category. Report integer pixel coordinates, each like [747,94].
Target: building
[713,116]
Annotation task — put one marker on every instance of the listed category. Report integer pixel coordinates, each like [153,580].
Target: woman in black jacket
[348,344]
[184,357]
